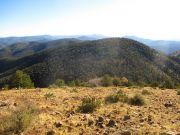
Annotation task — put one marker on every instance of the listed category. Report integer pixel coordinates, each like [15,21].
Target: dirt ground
[58,114]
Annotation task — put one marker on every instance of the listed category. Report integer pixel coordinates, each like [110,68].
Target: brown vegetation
[59,114]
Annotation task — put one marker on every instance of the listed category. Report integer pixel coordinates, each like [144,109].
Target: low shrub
[53,86]
[178,92]
[89,104]
[18,121]
[48,95]
[59,83]
[71,83]
[116,82]
[106,81]
[137,100]
[145,92]
[116,97]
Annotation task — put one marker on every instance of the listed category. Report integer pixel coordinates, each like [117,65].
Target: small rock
[100,119]
[3,103]
[111,123]
[141,120]
[101,125]
[51,132]
[58,124]
[170,133]
[86,116]
[126,132]
[169,104]
[90,122]
[127,117]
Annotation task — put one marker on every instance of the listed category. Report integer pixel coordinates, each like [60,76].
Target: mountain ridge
[89,59]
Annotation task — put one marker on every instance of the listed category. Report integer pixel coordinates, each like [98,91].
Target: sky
[153,19]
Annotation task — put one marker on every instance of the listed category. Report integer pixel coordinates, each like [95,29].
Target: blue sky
[156,19]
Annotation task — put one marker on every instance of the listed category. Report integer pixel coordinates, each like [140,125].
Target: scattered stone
[15,104]
[100,119]
[58,124]
[126,132]
[170,133]
[126,117]
[141,120]
[86,116]
[90,122]
[105,133]
[51,132]
[111,123]
[150,119]
[169,104]
[3,103]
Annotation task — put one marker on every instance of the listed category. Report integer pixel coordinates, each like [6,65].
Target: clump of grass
[18,121]
[146,92]
[137,100]
[178,92]
[117,97]
[89,104]
[48,95]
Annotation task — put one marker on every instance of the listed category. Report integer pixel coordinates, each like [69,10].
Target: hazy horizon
[150,19]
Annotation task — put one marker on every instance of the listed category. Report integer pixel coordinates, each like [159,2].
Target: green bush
[6,87]
[145,92]
[168,84]
[89,104]
[154,84]
[116,82]
[59,82]
[71,83]
[106,81]
[18,121]
[178,92]
[117,97]
[53,86]
[48,95]
[137,100]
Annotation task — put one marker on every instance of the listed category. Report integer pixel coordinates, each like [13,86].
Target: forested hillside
[89,59]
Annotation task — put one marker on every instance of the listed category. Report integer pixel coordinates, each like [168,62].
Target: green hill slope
[86,60]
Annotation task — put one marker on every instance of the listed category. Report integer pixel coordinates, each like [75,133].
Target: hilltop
[56,112]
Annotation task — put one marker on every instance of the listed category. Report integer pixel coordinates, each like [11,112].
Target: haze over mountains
[6,41]
[72,59]
[164,46]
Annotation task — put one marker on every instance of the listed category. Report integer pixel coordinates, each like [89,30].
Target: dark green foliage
[6,87]
[21,80]
[116,82]
[145,92]
[59,82]
[154,84]
[89,104]
[48,95]
[106,81]
[71,83]
[137,100]
[117,97]
[77,60]
[178,92]
[18,121]
[167,84]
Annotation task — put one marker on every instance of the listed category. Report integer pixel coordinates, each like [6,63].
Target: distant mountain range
[4,42]
[72,59]
[164,46]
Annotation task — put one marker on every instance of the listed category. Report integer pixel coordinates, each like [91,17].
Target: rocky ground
[58,113]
